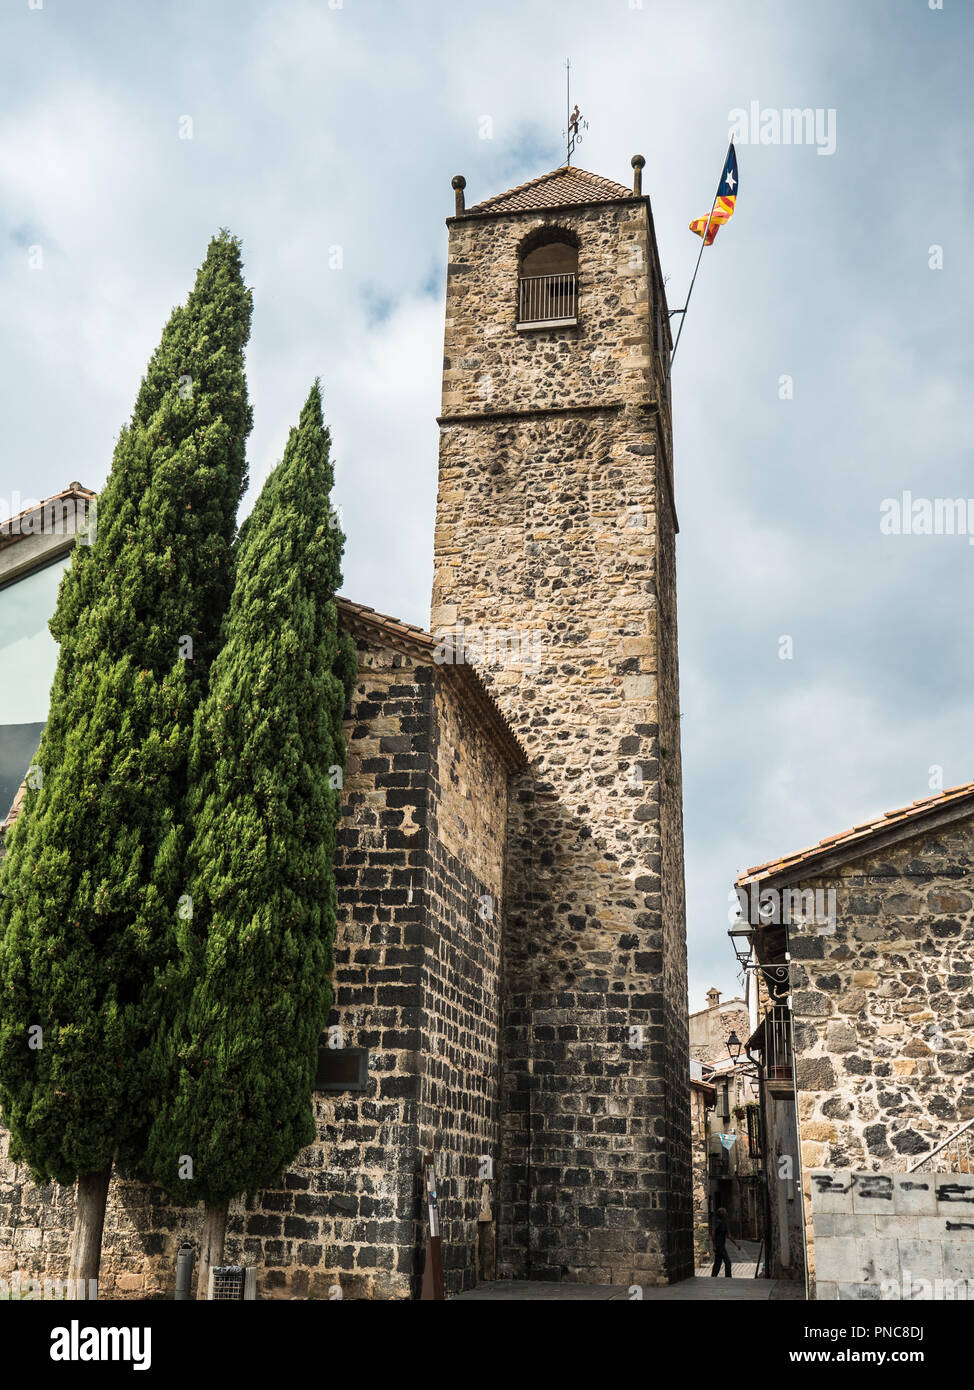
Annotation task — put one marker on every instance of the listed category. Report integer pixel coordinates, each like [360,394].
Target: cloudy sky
[318,125]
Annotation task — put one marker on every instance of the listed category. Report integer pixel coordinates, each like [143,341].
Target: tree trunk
[211,1245]
[91,1198]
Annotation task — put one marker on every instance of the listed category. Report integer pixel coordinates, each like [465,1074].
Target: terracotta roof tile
[561,188]
[702,1086]
[469,683]
[858,837]
[12,528]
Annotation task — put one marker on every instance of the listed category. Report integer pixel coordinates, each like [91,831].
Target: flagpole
[703,243]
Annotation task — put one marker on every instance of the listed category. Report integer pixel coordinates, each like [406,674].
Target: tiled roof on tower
[561,188]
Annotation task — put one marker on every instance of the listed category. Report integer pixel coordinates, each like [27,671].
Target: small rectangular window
[342,1068]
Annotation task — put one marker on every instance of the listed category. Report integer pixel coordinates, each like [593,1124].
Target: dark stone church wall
[363,1200]
[416,984]
[460,1083]
[344,1220]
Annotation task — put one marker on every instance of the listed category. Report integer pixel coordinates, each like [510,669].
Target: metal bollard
[184,1270]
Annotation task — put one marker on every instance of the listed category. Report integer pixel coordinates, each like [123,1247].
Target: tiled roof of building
[362,621]
[357,618]
[561,188]
[36,520]
[859,840]
[703,1086]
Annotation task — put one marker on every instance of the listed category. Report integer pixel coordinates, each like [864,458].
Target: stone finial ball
[458,181]
[638,162]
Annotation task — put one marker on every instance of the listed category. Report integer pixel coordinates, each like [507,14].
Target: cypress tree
[84,935]
[236,1063]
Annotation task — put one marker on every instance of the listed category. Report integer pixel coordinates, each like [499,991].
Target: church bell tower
[555,560]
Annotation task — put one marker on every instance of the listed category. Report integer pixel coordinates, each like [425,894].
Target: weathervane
[575,123]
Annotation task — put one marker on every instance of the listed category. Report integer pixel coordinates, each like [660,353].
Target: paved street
[743,1261]
[697,1290]
[742,1287]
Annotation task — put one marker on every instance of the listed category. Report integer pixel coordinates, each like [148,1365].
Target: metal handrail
[543,298]
[951,1139]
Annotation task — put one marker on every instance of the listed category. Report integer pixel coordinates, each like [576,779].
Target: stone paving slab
[508,1290]
[743,1261]
[697,1290]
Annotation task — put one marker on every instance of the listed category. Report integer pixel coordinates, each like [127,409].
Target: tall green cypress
[84,934]
[236,1063]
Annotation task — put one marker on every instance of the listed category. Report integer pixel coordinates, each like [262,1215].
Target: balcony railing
[754,1146]
[777,1044]
[548,299]
[718,1165]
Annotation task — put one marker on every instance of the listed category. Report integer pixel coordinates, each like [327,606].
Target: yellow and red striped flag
[723,210]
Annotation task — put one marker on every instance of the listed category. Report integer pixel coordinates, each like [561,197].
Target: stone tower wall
[555,523]
[611,358]
[676,1069]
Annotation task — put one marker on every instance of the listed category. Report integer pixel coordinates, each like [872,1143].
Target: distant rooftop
[868,834]
[49,517]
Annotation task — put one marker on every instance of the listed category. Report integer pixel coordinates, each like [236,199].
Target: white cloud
[315,127]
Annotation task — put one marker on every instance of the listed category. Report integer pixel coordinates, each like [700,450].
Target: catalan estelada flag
[724,205]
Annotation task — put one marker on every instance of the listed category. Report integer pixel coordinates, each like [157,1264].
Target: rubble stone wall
[554,521]
[884,1007]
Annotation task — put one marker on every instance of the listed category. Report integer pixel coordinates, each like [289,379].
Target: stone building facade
[867,1043]
[555,521]
[703,1098]
[420,869]
[510,960]
[711,1027]
[726,1174]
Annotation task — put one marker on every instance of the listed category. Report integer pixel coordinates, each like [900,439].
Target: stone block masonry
[893,1235]
[420,894]
[459,1096]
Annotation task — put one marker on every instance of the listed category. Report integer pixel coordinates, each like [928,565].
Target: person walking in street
[721,1236]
